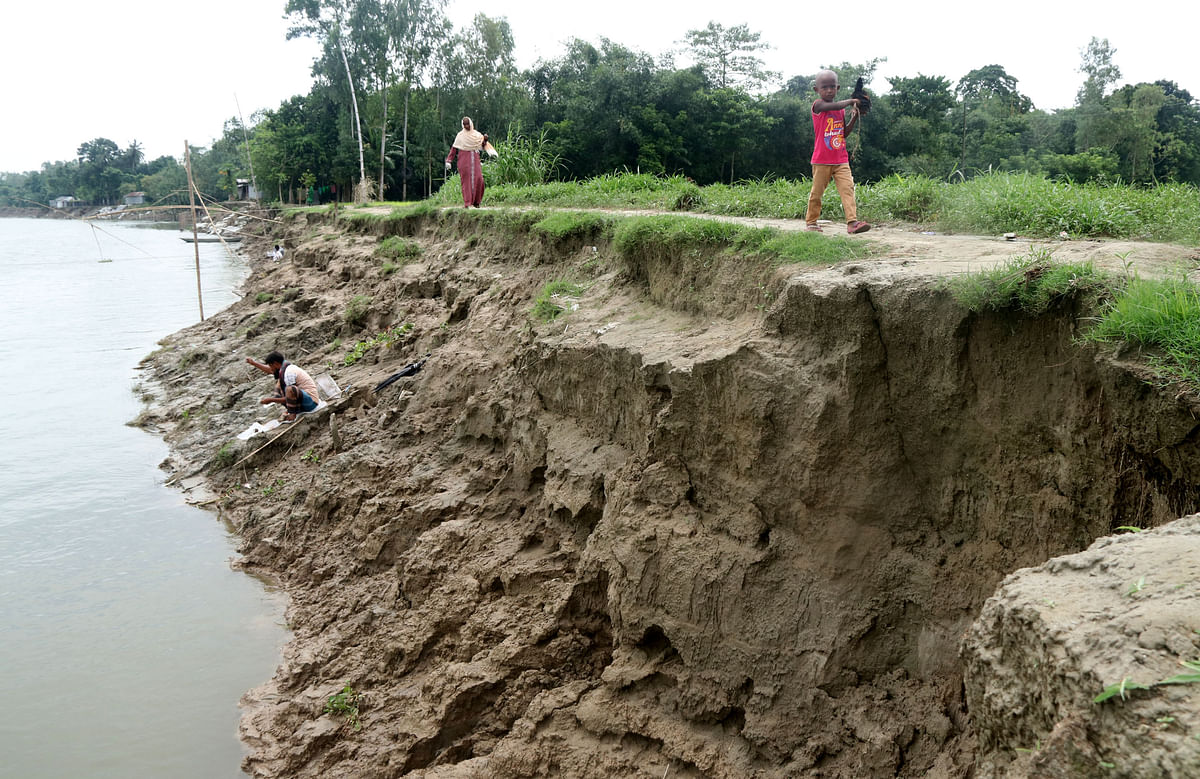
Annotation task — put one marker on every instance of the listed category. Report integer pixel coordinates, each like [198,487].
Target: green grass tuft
[1162,316]
[553,301]
[400,250]
[584,225]
[1032,283]
[356,310]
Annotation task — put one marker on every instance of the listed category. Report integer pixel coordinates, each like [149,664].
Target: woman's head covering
[468,139]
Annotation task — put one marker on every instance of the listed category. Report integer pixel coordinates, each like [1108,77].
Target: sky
[162,72]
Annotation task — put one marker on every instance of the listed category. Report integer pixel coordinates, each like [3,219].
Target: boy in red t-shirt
[829,158]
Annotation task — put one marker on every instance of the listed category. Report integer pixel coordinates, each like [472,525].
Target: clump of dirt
[642,540]
[1120,616]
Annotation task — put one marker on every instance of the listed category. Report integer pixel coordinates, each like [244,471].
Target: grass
[563,225]
[356,310]
[1120,689]
[381,339]
[225,455]
[1032,283]
[1161,315]
[397,251]
[637,236]
[554,299]
[991,203]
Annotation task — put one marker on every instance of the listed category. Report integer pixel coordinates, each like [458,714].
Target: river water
[125,637]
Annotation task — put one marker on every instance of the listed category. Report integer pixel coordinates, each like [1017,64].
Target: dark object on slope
[865,105]
[407,370]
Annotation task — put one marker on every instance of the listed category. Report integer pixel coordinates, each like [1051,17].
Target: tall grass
[522,161]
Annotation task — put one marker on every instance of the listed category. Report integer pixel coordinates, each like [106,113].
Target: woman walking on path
[468,145]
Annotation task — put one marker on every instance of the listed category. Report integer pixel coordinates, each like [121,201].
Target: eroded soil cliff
[713,521]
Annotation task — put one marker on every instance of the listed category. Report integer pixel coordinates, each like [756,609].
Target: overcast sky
[162,72]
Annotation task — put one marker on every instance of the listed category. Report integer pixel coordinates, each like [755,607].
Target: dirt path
[935,253]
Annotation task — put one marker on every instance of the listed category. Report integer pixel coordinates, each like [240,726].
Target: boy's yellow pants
[845,187]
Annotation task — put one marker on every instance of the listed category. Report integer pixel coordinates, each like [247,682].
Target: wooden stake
[187,157]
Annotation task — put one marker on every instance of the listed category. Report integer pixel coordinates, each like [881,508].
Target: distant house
[135,198]
[63,202]
[246,191]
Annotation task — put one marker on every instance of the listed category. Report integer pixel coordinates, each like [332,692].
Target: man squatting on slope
[830,159]
[294,388]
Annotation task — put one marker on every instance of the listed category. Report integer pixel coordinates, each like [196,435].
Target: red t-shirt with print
[829,146]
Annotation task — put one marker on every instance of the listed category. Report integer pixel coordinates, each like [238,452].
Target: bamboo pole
[187,157]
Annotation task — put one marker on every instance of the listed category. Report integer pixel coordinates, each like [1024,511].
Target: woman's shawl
[469,139]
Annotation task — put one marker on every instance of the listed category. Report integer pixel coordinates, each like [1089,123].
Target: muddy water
[125,637]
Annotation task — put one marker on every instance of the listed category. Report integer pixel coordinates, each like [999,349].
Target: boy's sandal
[857,227]
[813,228]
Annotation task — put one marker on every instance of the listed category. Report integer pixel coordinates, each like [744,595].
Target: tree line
[394,77]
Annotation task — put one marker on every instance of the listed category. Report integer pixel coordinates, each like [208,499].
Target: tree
[415,28]
[1097,66]
[919,133]
[727,56]
[989,96]
[130,160]
[326,19]
[1095,125]
[1179,135]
